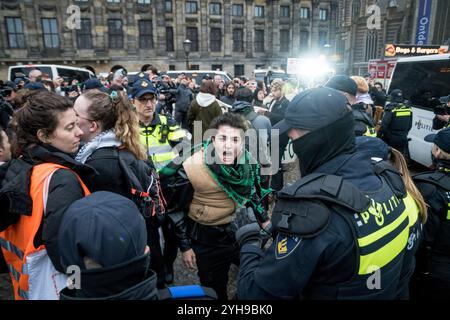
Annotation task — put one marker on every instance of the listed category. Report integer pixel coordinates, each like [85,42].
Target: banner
[423,22]
[396,50]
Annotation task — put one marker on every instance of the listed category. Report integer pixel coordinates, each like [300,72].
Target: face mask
[322,145]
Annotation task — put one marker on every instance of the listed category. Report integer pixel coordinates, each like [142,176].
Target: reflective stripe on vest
[17,241]
[370,132]
[386,242]
[160,153]
[402,112]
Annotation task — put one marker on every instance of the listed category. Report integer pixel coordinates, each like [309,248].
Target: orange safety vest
[17,241]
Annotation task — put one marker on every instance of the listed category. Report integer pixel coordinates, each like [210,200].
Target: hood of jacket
[241,106]
[205,99]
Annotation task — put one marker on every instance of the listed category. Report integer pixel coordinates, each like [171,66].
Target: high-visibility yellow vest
[156,138]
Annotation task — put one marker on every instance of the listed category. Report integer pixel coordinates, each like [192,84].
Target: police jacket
[159,137]
[362,248]
[397,121]
[435,248]
[64,189]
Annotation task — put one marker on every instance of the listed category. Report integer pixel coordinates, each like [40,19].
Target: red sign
[391,66]
[381,70]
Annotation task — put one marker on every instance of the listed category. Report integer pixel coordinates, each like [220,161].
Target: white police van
[53,70]
[422,80]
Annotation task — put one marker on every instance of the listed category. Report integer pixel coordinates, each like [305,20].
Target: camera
[442,110]
[169,97]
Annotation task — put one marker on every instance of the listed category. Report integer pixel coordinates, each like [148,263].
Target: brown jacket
[210,204]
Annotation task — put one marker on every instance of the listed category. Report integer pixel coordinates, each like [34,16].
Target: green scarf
[241,182]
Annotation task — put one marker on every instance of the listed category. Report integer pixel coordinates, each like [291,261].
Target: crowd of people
[115,175]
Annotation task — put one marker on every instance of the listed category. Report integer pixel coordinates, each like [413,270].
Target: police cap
[141,87]
[441,139]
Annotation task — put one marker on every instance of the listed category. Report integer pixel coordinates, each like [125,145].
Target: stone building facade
[233,35]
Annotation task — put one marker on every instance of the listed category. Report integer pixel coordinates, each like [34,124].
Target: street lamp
[187,49]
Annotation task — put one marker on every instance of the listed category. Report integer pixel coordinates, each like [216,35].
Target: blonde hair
[116,113]
[277,84]
[443,155]
[363,87]
[399,162]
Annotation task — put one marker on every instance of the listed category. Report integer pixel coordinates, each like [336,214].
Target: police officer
[396,122]
[160,135]
[341,231]
[442,114]
[432,278]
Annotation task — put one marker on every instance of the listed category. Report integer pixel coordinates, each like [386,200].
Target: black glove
[248,228]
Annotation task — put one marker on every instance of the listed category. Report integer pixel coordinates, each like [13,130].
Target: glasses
[78,116]
[146,100]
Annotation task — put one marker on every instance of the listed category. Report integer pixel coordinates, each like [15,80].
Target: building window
[191,7]
[323,13]
[371,46]
[172,67]
[50,33]
[356,7]
[14,29]
[259,11]
[237,10]
[259,40]
[304,13]
[169,39]
[192,34]
[168,6]
[145,34]
[216,67]
[115,33]
[144,1]
[323,38]
[194,67]
[304,39]
[239,70]
[285,11]
[215,40]
[84,35]
[238,40]
[215,8]
[284,40]
[113,1]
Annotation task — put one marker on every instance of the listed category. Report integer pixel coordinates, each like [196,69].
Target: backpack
[149,197]
[14,197]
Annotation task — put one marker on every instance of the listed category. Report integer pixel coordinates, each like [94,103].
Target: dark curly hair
[40,111]
[231,119]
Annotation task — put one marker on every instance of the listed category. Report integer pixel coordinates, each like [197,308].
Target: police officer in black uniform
[396,123]
[432,277]
[346,230]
